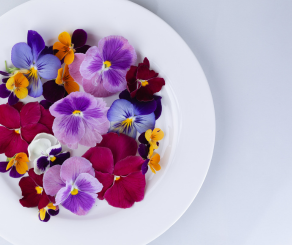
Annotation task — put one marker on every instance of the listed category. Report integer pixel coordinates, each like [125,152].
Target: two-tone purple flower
[80,118]
[32,59]
[74,185]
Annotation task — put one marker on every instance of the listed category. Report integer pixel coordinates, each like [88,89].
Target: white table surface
[245,49]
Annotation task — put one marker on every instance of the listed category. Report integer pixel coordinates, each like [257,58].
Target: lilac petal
[53,212]
[143,151]
[4,80]
[3,166]
[63,194]
[95,86]
[74,68]
[74,166]
[4,92]
[48,66]
[83,49]
[3,73]
[81,203]
[21,56]
[52,180]
[35,87]
[142,139]
[114,80]
[92,63]
[120,110]
[144,122]
[14,174]
[52,91]
[47,217]
[36,43]
[46,104]
[62,157]
[158,110]
[144,167]
[42,163]
[79,38]
[88,183]
[12,100]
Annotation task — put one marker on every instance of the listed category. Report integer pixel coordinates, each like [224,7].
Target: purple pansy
[107,65]
[81,119]
[74,185]
[35,63]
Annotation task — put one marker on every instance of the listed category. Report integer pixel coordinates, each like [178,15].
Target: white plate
[188,121]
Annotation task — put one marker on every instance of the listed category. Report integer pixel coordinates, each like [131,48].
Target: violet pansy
[45,151]
[74,185]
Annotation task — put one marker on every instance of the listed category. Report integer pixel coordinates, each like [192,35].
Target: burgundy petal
[131,78]
[79,38]
[128,165]
[144,73]
[4,92]
[30,131]
[18,106]
[46,119]
[30,114]
[29,193]
[126,191]
[146,93]
[52,91]
[9,117]
[44,201]
[146,62]
[107,181]
[37,178]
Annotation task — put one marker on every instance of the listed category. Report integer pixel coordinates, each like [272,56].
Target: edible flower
[48,211]
[128,118]
[74,185]
[15,88]
[153,163]
[106,65]
[55,90]
[17,165]
[33,192]
[118,169]
[33,63]
[45,151]
[151,139]
[66,47]
[80,119]
[21,123]
[142,82]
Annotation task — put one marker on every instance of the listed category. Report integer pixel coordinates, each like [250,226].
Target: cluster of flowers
[74,113]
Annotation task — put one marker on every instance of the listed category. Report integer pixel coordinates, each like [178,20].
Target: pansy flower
[153,163]
[151,139]
[142,82]
[45,151]
[118,169]
[66,47]
[17,165]
[15,88]
[80,119]
[106,65]
[21,123]
[29,57]
[128,118]
[74,185]
[33,192]
[55,90]
[48,211]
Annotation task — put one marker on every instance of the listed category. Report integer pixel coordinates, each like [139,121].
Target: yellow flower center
[117,178]
[39,190]
[127,123]
[76,112]
[17,131]
[33,72]
[74,192]
[52,158]
[107,64]
[144,83]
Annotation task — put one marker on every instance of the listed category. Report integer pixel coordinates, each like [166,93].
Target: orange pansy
[65,48]
[64,78]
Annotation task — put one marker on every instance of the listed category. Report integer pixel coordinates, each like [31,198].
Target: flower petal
[157,134]
[82,50]
[144,122]
[106,180]
[120,110]
[30,114]
[54,150]
[120,128]
[143,151]
[30,131]
[3,166]
[88,183]
[52,180]
[37,147]
[71,87]
[63,194]
[14,174]
[128,165]
[114,80]
[74,68]
[48,66]
[46,119]
[101,158]
[95,87]
[144,167]
[142,139]
[12,100]
[46,217]
[35,88]
[10,117]
[126,191]
[21,56]
[53,212]
[53,92]
[65,38]
[158,110]
[62,50]
[131,78]
[74,166]
[146,93]
[36,43]
[144,73]
[79,38]
[18,106]
[62,157]
[69,58]
[4,92]
[41,164]
[21,167]
[92,63]
[46,104]
[44,201]
[21,93]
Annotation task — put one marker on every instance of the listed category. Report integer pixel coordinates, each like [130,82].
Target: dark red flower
[21,123]
[142,82]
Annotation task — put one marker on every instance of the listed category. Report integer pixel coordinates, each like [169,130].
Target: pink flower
[118,169]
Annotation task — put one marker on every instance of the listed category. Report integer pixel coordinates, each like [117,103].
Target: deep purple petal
[3,73]
[4,80]
[145,166]
[4,92]
[158,110]
[12,100]
[61,158]
[48,66]
[47,50]
[53,212]
[83,49]
[46,104]
[42,163]
[14,174]
[35,87]
[143,151]
[3,166]
[47,217]
[79,38]
[36,43]
[52,180]
[21,56]
[87,183]
[55,150]
[53,92]
[142,139]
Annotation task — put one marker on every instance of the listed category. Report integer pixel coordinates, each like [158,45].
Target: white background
[245,49]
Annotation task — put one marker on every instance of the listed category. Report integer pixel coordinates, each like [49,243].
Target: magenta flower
[74,185]
[80,119]
[107,64]
[118,169]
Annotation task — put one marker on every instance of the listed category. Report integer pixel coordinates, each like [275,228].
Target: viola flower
[151,138]
[153,163]
[74,185]
[118,169]
[15,88]
[66,47]
[35,64]
[33,192]
[17,165]
[45,151]
[21,123]
[48,211]
[128,118]
[55,90]
[80,119]
[107,64]
[142,82]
